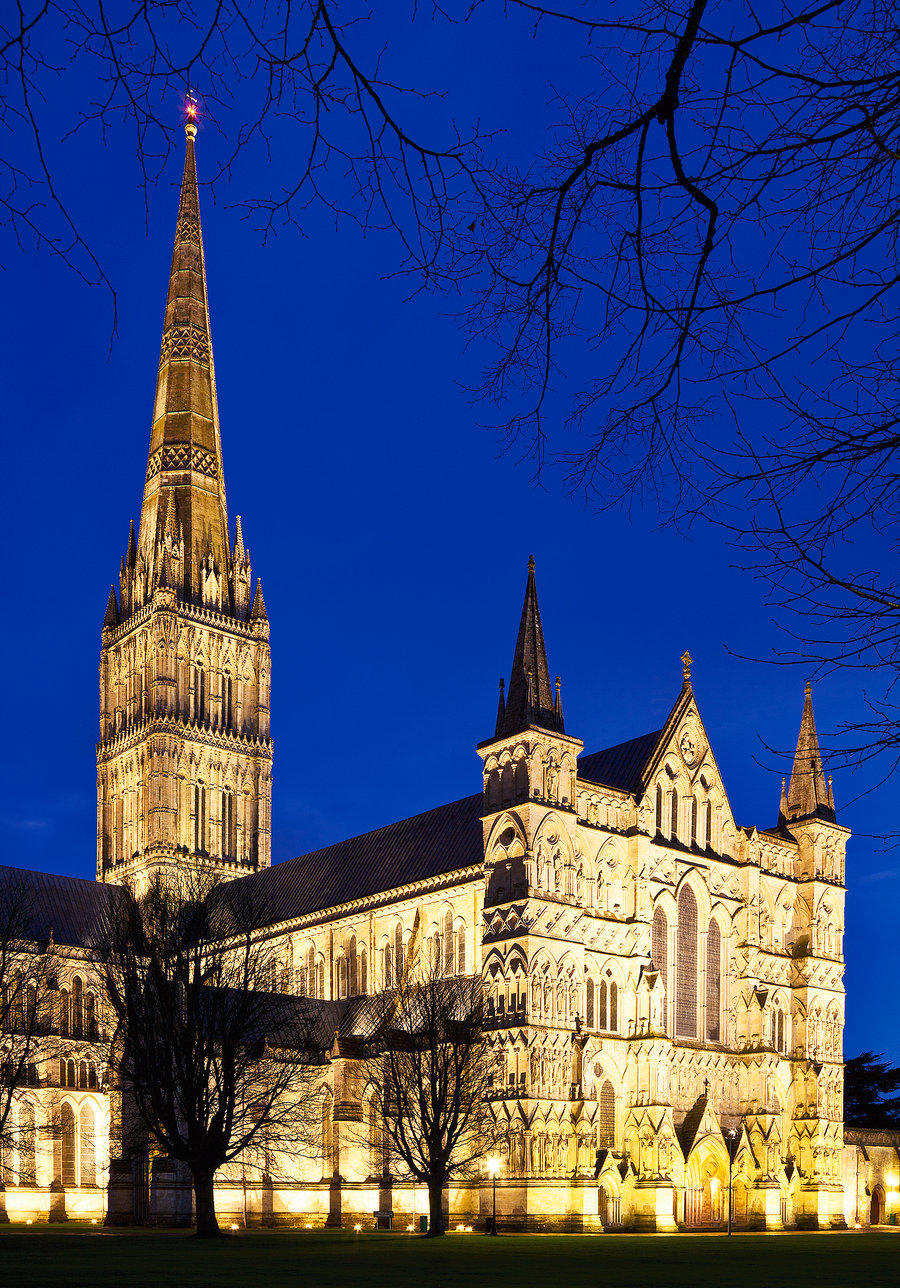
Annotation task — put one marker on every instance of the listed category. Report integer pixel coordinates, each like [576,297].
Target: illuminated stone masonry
[665,986]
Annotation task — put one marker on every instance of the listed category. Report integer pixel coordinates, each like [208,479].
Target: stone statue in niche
[553,783]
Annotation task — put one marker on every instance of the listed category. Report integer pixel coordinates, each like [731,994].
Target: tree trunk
[204,1198]
[435,1210]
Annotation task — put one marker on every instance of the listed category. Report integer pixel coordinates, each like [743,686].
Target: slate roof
[619,766]
[72,910]
[427,845]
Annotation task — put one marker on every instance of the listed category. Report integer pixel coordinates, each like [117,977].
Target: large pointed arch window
[686,966]
[26,1143]
[713,981]
[67,1142]
[607,1116]
[659,947]
[87,1146]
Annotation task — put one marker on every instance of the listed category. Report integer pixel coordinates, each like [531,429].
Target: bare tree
[710,233]
[431,1077]
[25,977]
[215,1065]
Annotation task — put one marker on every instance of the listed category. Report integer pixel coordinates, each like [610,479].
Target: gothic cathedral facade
[664,986]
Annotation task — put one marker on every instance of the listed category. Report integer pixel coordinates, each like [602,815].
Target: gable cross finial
[687,662]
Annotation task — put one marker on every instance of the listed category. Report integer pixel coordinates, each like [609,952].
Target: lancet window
[686,966]
[713,981]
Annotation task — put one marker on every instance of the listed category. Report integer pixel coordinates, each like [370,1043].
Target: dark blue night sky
[390,529]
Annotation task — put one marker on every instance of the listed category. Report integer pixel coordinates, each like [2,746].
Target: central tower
[184,761]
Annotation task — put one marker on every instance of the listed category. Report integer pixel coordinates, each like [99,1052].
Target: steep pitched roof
[439,841]
[620,766]
[72,911]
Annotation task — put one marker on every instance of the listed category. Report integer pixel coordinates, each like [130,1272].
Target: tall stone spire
[184,761]
[531,699]
[808,795]
[184,467]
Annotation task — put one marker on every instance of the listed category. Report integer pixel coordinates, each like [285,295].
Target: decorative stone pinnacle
[686,662]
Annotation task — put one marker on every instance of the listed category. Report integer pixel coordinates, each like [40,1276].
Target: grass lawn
[76,1258]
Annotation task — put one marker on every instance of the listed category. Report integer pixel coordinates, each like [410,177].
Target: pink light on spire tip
[191,115]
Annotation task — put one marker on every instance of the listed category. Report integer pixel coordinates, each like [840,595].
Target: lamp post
[732,1133]
[493,1166]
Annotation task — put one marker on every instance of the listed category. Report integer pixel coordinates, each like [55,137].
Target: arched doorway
[876,1208]
[609,1208]
[706,1187]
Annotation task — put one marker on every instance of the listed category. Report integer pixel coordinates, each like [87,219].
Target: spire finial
[531,563]
[808,690]
[191,112]
[687,662]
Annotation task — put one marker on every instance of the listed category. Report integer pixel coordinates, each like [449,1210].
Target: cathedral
[664,984]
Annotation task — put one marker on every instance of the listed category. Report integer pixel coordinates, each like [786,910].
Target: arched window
[363,974]
[328,1159]
[713,980]
[341,973]
[694,813]
[199,693]
[589,1003]
[686,966]
[64,1012]
[83,1075]
[200,818]
[673,821]
[607,1121]
[229,833]
[77,1007]
[353,967]
[387,967]
[227,700]
[67,1141]
[448,943]
[659,946]
[90,1020]
[709,825]
[27,1174]
[461,949]
[659,808]
[398,953]
[601,1005]
[436,958]
[87,1146]
[613,1007]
